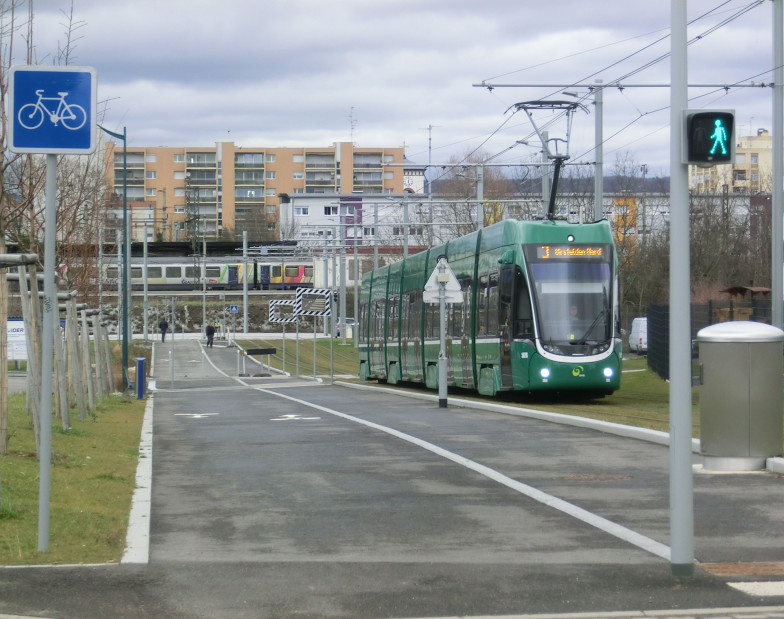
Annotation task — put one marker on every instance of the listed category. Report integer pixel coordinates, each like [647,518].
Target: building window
[298,176]
[270,192]
[754,159]
[301,210]
[179,176]
[151,174]
[179,158]
[151,191]
[331,209]
[271,209]
[270,176]
[299,159]
[270,159]
[152,158]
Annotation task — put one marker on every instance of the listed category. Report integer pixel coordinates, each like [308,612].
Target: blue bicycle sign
[52,110]
[32,115]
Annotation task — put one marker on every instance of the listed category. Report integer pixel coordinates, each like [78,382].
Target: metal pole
[47,349]
[126,260]
[405,227]
[777,198]
[442,369]
[204,283]
[343,283]
[681,482]
[375,236]
[480,197]
[245,281]
[356,281]
[545,174]
[146,290]
[598,178]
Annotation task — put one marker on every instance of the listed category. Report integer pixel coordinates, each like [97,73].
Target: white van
[638,339]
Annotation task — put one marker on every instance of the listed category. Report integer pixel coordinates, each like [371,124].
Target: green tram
[540,312]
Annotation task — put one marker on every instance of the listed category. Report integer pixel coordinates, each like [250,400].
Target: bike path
[738,518]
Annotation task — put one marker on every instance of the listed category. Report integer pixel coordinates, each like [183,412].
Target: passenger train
[219,273]
[539,312]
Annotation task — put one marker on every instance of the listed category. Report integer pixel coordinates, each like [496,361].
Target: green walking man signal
[709,137]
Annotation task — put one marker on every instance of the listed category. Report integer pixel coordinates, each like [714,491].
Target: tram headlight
[608,372]
[544,373]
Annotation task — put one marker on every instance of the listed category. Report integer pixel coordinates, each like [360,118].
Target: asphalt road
[280,497]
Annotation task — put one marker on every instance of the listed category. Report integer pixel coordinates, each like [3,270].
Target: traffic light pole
[681,481]
[777,197]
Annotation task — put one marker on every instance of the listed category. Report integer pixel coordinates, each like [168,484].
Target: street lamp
[124,137]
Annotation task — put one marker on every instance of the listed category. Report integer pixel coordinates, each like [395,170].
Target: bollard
[141,379]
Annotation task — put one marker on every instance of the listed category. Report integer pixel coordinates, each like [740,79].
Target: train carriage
[539,312]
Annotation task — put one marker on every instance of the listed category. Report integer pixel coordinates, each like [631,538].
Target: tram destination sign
[572,252]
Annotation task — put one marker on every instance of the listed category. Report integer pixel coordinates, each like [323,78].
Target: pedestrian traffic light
[709,137]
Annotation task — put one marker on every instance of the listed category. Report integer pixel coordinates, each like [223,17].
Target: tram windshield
[572,289]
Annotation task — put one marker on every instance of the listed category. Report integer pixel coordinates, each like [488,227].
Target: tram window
[415,317]
[292,271]
[192,272]
[112,272]
[492,304]
[404,312]
[431,321]
[309,273]
[136,272]
[456,322]
[174,272]
[154,272]
[213,272]
[481,318]
[467,304]
[524,324]
[392,319]
[276,270]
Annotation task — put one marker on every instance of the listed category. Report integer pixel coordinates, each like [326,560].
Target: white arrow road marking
[294,418]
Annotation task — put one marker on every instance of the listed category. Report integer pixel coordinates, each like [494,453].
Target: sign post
[52,112]
[442,287]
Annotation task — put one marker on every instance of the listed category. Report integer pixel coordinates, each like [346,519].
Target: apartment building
[751,172]
[220,191]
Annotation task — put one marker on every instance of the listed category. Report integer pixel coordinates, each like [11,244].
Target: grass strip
[93,476]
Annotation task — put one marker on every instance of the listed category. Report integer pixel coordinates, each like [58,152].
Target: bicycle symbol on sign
[32,115]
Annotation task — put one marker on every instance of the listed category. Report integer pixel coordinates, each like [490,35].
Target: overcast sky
[314,72]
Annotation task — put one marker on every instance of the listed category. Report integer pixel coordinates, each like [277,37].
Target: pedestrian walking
[164,327]
[210,331]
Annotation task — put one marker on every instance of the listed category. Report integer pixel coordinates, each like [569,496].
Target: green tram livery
[540,312]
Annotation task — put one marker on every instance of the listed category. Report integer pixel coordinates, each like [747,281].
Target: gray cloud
[193,72]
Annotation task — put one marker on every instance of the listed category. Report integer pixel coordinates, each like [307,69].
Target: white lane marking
[619,531]
[632,537]
[196,415]
[759,589]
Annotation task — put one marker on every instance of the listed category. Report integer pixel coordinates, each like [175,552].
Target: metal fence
[702,315]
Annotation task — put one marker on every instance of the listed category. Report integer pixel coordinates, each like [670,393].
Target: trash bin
[740,395]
